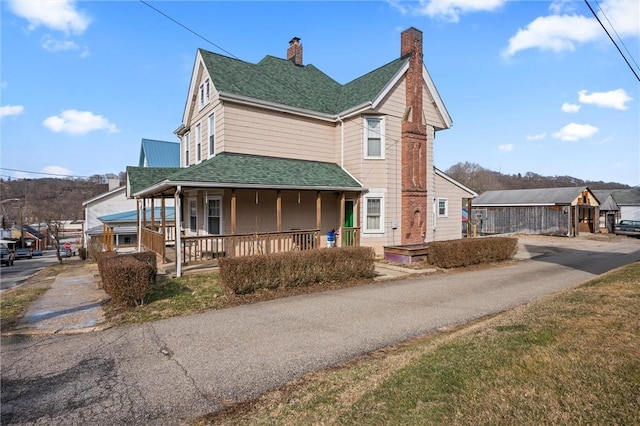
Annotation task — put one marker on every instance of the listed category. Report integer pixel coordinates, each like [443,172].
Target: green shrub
[244,275]
[127,280]
[471,251]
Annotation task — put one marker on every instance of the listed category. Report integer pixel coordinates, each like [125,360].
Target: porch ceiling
[229,170]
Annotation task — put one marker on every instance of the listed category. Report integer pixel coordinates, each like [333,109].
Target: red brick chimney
[294,52]
[414,144]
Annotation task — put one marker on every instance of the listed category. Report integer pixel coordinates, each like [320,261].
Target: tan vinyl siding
[450,227]
[249,130]
[432,190]
[379,175]
[431,113]
[257,213]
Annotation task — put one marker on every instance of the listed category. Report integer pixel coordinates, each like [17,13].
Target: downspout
[178,217]
[341,142]
[139,225]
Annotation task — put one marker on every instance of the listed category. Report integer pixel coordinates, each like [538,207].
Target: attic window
[204,93]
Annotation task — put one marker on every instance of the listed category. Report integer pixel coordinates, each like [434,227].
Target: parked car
[628,227]
[23,253]
[8,256]
[36,252]
[67,252]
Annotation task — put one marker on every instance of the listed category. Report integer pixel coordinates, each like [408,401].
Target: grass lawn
[571,358]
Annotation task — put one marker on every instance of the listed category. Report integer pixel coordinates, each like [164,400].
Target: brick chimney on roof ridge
[294,52]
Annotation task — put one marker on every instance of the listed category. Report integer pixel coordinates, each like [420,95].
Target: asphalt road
[22,269]
[176,369]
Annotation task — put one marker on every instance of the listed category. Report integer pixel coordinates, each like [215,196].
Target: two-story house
[274,155]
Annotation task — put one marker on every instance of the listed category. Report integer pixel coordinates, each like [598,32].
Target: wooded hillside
[480,179]
[47,198]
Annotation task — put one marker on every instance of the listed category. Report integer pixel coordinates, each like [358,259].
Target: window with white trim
[374,213]
[187,141]
[198,144]
[203,93]
[374,137]
[214,215]
[193,216]
[212,135]
[443,207]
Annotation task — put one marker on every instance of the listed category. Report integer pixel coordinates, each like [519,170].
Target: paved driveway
[171,370]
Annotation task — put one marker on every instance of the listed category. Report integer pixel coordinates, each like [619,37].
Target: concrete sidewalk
[72,305]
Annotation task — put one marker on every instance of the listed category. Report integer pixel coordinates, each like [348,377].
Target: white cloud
[58,15]
[562,6]
[448,10]
[57,171]
[566,107]
[58,45]
[555,33]
[623,15]
[537,137]
[507,147]
[573,132]
[78,123]
[616,99]
[561,32]
[9,110]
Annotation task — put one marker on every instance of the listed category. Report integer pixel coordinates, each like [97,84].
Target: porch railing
[350,237]
[209,247]
[154,240]
[206,248]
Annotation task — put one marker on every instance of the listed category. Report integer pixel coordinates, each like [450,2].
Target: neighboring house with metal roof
[281,151]
[155,153]
[545,211]
[120,230]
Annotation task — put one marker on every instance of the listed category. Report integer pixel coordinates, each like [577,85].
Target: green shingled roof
[139,178]
[281,81]
[248,171]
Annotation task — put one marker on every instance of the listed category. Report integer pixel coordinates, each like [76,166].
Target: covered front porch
[277,205]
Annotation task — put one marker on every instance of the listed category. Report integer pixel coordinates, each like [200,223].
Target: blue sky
[532,86]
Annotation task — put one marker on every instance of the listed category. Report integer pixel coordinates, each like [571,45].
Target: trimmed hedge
[471,251]
[244,275]
[101,257]
[127,278]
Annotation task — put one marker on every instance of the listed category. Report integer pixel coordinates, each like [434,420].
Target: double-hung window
[198,144]
[187,141]
[374,213]
[212,135]
[203,93]
[374,137]
[214,216]
[443,207]
[193,216]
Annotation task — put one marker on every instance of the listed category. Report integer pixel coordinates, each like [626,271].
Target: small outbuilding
[543,211]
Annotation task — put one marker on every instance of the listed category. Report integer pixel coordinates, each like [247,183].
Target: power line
[617,35]
[43,173]
[612,40]
[188,29]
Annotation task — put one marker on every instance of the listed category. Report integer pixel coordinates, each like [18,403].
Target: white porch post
[139,225]
[178,215]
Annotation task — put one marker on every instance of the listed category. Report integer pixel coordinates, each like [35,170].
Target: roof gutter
[244,100]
